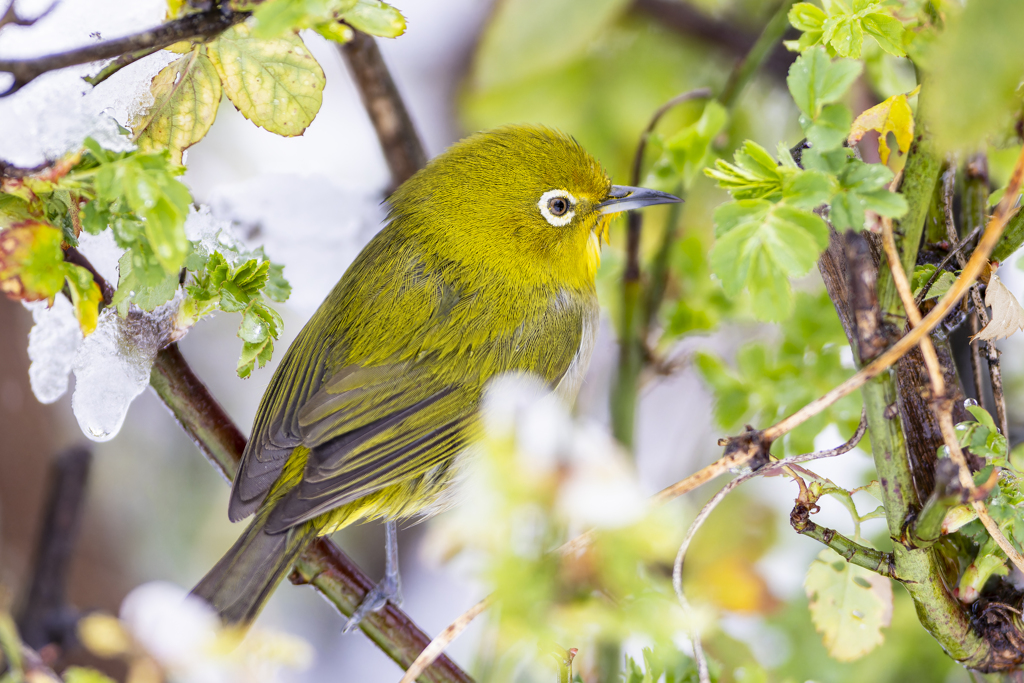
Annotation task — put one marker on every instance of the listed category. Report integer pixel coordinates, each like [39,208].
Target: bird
[486,265]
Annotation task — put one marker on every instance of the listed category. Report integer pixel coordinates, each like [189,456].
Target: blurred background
[156,510]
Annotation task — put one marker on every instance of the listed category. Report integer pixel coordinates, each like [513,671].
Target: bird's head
[525,200]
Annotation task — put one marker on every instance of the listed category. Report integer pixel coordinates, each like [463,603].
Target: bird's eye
[558,207]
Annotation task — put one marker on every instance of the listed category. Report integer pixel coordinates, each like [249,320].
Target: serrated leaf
[1007,314]
[892,116]
[847,613]
[277,288]
[923,273]
[275,82]
[186,95]
[273,18]
[754,175]
[887,31]
[760,245]
[142,281]
[808,189]
[807,17]
[376,18]
[31,261]
[814,80]
[844,34]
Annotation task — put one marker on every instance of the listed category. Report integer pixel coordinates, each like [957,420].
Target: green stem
[1012,238]
[927,529]
[323,564]
[749,65]
[659,269]
[627,378]
[920,176]
[851,551]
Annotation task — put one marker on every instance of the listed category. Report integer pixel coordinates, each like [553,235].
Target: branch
[46,616]
[402,148]
[444,638]
[979,260]
[203,25]
[323,565]
[851,551]
[927,528]
[940,404]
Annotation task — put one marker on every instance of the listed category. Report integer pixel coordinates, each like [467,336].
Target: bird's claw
[388,590]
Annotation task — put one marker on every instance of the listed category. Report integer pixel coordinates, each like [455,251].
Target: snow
[113,364]
[52,343]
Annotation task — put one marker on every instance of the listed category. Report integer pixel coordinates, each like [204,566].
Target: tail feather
[241,582]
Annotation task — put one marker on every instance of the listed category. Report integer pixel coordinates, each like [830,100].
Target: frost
[102,252]
[51,347]
[58,110]
[113,364]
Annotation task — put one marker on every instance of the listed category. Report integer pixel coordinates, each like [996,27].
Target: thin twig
[46,617]
[979,259]
[705,512]
[444,639]
[402,148]
[940,403]
[203,25]
[979,387]
[941,268]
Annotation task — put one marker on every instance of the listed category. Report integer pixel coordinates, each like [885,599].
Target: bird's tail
[241,582]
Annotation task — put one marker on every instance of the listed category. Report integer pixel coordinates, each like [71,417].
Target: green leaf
[272,18]
[277,288]
[686,152]
[849,614]
[754,175]
[830,128]
[275,82]
[142,281]
[844,34]
[807,17]
[760,245]
[808,189]
[887,32]
[186,94]
[814,80]
[376,18]
[923,273]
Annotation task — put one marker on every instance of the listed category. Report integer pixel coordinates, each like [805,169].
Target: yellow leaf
[104,636]
[186,94]
[893,116]
[276,83]
[85,296]
[32,263]
[849,605]
[732,583]
[1007,314]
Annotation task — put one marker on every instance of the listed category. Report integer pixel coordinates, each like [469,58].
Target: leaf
[275,83]
[892,116]
[85,296]
[528,37]
[923,273]
[1007,314]
[887,31]
[31,261]
[807,17]
[754,175]
[864,187]
[687,151]
[273,18]
[829,129]
[81,674]
[760,245]
[142,281]
[186,95]
[376,18]
[849,605]
[814,80]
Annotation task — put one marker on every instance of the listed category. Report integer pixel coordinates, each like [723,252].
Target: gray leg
[389,588]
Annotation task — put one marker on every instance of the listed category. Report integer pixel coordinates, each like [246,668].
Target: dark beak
[624,198]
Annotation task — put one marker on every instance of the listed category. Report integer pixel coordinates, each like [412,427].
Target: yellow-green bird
[486,266]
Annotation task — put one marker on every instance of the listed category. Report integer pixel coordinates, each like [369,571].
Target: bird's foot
[388,590]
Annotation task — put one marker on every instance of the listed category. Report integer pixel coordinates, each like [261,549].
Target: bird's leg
[389,588]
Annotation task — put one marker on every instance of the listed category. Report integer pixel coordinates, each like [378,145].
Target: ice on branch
[113,363]
[52,344]
[162,626]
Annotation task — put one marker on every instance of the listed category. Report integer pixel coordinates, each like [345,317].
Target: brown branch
[323,565]
[402,148]
[940,403]
[978,261]
[46,617]
[11,16]
[202,25]
[72,255]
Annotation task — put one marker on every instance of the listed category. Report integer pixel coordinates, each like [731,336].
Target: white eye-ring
[558,207]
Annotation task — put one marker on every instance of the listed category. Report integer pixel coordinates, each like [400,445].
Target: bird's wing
[404,409]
